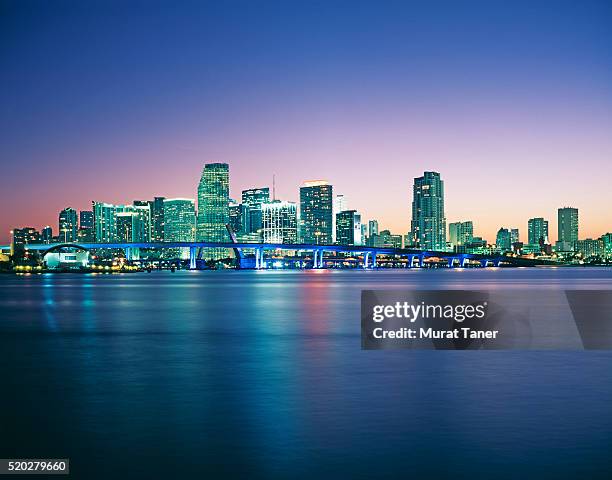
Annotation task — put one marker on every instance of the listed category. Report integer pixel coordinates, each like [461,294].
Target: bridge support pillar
[497,263]
[259,259]
[366,259]
[128,253]
[318,259]
[374,264]
[451,262]
[484,263]
[193,255]
[464,261]
[421,261]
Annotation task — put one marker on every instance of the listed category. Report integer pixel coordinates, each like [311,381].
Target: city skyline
[510,104]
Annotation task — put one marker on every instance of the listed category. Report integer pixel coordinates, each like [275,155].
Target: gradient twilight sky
[511,101]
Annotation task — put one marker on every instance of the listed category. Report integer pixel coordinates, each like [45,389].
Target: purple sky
[511,104]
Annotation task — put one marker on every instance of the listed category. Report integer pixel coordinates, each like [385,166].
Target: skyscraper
[504,240]
[239,217]
[460,233]
[567,229]
[428,227]
[47,235]
[125,223]
[372,228]
[348,228]
[213,208]
[537,231]
[279,222]
[252,199]
[340,205]
[68,225]
[86,219]
[157,219]
[316,212]
[179,219]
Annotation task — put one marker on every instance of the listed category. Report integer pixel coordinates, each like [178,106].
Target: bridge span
[368,254]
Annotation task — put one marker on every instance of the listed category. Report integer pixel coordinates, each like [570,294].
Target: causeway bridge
[368,255]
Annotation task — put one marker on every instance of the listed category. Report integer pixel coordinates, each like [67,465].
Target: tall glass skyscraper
[213,208]
[68,225]
[348,228]
[179,220]
[567,229]
[316,210]
[122,223]
[428,227]
[461,233]
[157,219]
[279,222]
[252,200]
[537,231]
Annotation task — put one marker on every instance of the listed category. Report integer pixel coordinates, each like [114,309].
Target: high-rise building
[252,200]
[86,219]
[504,240]
[157,219]
[348,228]
[179,220]
[340,205]
[428,227]
[461,233]
[316,212]
[590,248]
[122,223]
[385,239]
[22,237]
[47,235]
[567,229]
[68,225]
[239,217]
[372,228]
[213,208]
[537,231]
[279,222]
[514,236]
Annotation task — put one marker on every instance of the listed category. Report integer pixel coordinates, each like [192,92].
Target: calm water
[260,374]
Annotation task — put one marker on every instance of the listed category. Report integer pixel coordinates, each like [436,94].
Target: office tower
[316,211]
[504,240]
[372,228]
[239,217]
[537,231]
[364,234]
[514,236]
[607,244]
[213,208]
[179,220]
[68,225]
[157,219]
[252,200]
[122,223]
[428,227]
[567,229]
[385,239]
[348,228]
[339,205]
[461,233]
[279,222]
[86,219]
[47,235]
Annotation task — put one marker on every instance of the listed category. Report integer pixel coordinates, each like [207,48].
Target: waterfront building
[22,237]
[385,239]
[279,222]
[607,244]
[68,225]
[537,231]
[567,229]
[86,235]
[86,219]
[514,236]
[213,208]
[316,213]
[179,220]
[339,205]
[252,200]
[504,240]
[157,219]
[133,226]
[590,248]
[428,226]
[372,228]
[460,233]
[348,228]
[239,217]
[47,235]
